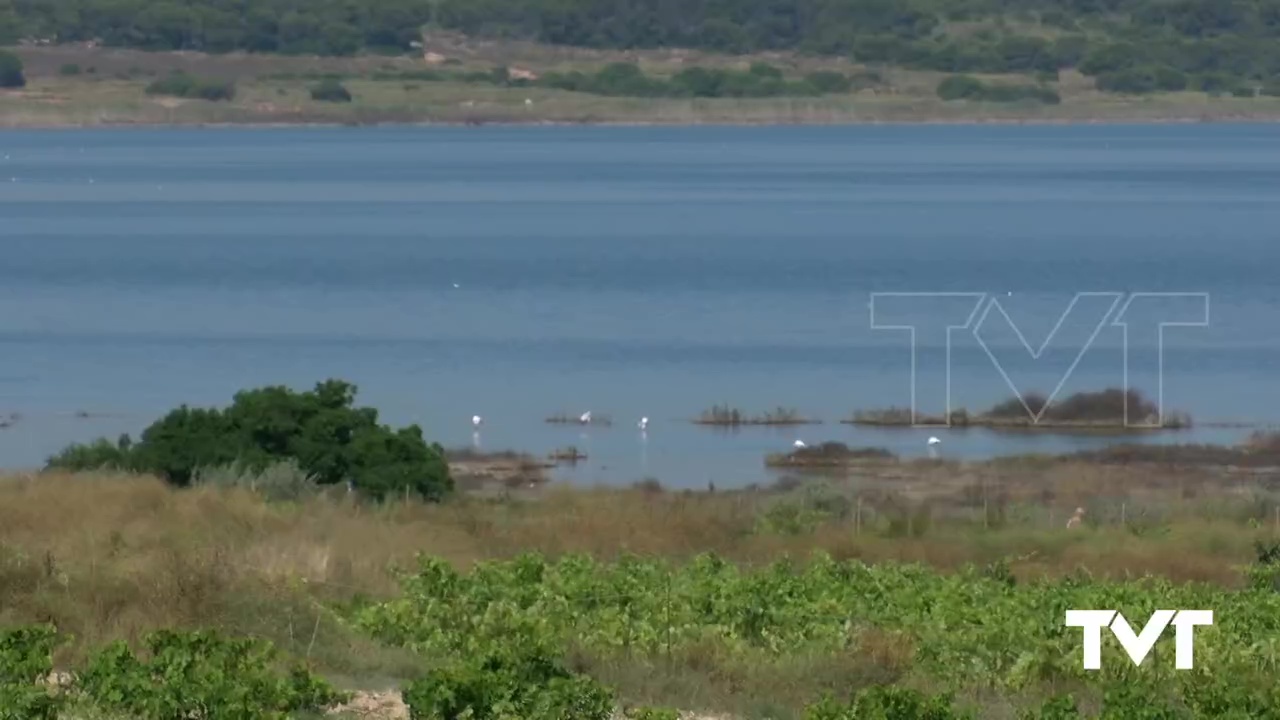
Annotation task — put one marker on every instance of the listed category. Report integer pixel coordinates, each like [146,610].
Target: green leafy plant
[201,674]
[330,90]
[515,683]
[25,668]
[183,85]
[11,71]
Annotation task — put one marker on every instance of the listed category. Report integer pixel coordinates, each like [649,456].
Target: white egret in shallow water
[799,444]
[644,423]
[585,418]
[933,446]
[476,420]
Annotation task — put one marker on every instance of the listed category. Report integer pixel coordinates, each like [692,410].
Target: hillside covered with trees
[1128,45]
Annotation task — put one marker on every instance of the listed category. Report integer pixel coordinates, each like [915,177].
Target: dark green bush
[180,84]
[1111,57]
[1126,82]
[1142,80]
[1214,83]
[201,674]
[332,441]
[69,69]
[960,87]
[1169,79]
[760,80]
[1069,50]
[1019,93]
[964,87]
[11,71]
[330,90]
[517,682]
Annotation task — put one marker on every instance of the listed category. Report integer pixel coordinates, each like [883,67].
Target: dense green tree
[331,439]
[959,87]
[330,90]
[11,71]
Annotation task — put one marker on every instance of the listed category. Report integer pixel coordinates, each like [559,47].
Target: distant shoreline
[108,88]
[976,121]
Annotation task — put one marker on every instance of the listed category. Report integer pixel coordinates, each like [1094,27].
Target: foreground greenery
[706,601]
[1129,46]
[331,439]
[182,675]
[973,630]
[494,643]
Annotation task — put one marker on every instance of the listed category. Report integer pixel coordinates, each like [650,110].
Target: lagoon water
[520,272]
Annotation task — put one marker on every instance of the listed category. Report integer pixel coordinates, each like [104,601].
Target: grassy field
[112,557]
[109,89]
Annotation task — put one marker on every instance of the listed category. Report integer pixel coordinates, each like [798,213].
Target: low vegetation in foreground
[913,591]
[1110,409]
[766,603]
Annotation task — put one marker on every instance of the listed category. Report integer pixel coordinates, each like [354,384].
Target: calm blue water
[634,271]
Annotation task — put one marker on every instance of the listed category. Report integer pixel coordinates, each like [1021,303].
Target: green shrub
[11,71]
[760,80]
[180,84]
[1214,83]
[332,441]
[518,682]
[965,87]
[330,91]
[201,674]
[25,665]
[69,69]
[1169,79]
[1062,707]
[959,87]
[1130,81]
[1019,93]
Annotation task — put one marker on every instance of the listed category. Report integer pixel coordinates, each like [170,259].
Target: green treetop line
[1129,45]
